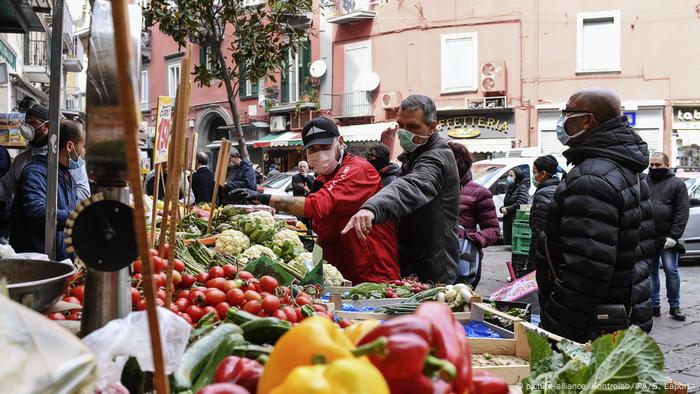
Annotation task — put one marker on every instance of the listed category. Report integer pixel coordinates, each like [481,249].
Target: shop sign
[631,118]
[8,55]
[163,121]
[473,126]
[686,118]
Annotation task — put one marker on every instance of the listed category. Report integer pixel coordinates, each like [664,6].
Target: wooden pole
[186,167]
[219,176]
[166,205]
[178,142]
[127,98]
[154,211]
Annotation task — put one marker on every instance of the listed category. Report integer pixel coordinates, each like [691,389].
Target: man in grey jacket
[424,199]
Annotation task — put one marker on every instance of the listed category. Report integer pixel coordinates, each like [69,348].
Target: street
[680,341]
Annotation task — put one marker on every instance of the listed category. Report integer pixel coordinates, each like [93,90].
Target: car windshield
[276,181]
[484,172]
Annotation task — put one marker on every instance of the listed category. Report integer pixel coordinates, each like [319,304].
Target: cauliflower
[331,276]
[255,252]
[286,244]
[263,217]
[232,242]
[298,262]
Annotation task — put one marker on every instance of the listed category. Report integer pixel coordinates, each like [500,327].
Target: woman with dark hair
[475,208]
[29,204]
[544,176]
[517,194]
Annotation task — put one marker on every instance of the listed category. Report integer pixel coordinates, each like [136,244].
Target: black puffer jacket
[425,201]
[640,296]
[541,201]
[593,228]
[669,196]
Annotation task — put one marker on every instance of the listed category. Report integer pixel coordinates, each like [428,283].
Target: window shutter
[458,62]
[203,56]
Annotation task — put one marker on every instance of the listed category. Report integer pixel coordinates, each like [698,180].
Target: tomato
[182,304]
[230,284]
[215,297]
[166,251]
[279,314]
[158,281]
[253,307]
[217,283]
[251,295]
[196,297]
[160,294]
[268,284]
[178,265]
[195,312]
[290,313]
[141,306]
[202,277]
[135,296]
[301,300]
[271,303]
[78,292]
[222,308]
[137,266]
[183,294]
[137,277]
[200,288]
[216,272]
[177,278]
[160,302]
[230,271]
[300,316]
[210,309]
[57,316]
[75,315]
[73,300]
[245,275]
[264,294]
[235,297]
[256,284]
[319,308]
[174,308]
[153,252]
[262,313]
[186,317]
[158,264]
[187,281]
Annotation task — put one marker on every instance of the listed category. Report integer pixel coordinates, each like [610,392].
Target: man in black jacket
[202,180]
[303,181]
[669,196]
[593,227]
[425,198]
[241,175]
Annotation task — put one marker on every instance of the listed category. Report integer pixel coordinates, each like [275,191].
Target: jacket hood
[466,178]
[613,140]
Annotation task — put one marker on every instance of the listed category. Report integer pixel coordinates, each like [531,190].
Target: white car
[279,184]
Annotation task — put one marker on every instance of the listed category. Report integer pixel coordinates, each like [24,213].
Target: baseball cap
[319,131]
[40,112]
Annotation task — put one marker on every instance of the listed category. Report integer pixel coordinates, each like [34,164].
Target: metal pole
[54,117]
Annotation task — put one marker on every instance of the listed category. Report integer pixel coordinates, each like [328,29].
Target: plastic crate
[518,260]
[520,246]
[523,214]
[521,229]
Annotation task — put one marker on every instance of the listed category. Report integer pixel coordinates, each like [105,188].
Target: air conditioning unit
[391,100]
[493,78]
[278,123]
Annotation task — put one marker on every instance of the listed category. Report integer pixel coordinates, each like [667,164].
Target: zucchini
[251,351]
[224,349]
[424,295]
[196,356]
[265,330]
[237,316]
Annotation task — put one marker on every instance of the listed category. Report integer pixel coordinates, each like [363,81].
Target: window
[459,62]
[248,88]
[173,79]
[295,81]
[206,57]
[598,42]
[144,90]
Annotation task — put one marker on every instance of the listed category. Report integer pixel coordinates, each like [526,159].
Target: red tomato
[158,264]
[160,302]
[177,278]
[253,307]
[183,294]
[135,296]
[268,284]
[301,300]
[174,308]
[73,300]
[153,252]
[271,303]
[182,304]
[196,298]
[235,297]
[217,283]
[319,308]
[215,297]
[158,281]
[251,295]
[141,306]
[230,271]
[279,314]
[255,283]
[245,275]
[210,309]
[290,313]
[160,294]
[78,292]
[166,251]
[202,277]
[300,316]
[195,313]
[264,294]
[230,284]
[186,317]
[56,316]
[187,281]
[76,315]
[137,266]
[200,288]
[216,272]
[178,265]
[222,308]
[262,313]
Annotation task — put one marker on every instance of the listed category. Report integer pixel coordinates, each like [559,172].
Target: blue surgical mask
[75,164]
[563,137]
[510,180]
[406,140]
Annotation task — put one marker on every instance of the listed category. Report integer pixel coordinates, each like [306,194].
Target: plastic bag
[114,343]
[38,356]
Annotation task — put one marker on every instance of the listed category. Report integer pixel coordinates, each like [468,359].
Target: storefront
[484,132]
[685,150]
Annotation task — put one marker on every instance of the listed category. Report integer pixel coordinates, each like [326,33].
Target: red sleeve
[344,194]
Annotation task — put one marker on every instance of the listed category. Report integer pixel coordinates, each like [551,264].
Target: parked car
[279,184]
[691,236]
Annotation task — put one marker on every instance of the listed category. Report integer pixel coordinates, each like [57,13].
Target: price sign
[163,127]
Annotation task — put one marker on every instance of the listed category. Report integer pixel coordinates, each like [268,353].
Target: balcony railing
[353,104]
[146,45]
[36,59]
[349,11]
[37,54]
[74,60]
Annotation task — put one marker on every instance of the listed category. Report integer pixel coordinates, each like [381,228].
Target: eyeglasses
[568,112]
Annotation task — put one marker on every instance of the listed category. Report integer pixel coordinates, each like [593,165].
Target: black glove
[250,196]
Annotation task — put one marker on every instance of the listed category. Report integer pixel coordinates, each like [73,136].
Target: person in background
[303,181]
[346,183]
[202,180]
[378,156]
[476,207]
[273,170]
[151,178]
[241,175]
[669,196]
[544,176]
[518,193]
[424,199]
[29,205]
[5,206]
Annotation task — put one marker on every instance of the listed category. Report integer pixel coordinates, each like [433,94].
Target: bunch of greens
[627,361]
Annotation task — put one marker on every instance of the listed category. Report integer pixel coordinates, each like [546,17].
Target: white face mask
[324,161]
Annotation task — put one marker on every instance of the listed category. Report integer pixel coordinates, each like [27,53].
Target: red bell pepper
[484,383]
[239,370]
[223,388]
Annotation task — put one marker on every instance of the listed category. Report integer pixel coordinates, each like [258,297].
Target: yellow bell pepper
[343,376]
[360,329]
[315,336]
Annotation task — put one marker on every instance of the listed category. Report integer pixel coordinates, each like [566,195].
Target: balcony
[67,29]
[352,105]
[350,11]
[74,60]
[36,59]
[146,46]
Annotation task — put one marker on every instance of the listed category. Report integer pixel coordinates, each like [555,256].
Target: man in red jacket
[344,182]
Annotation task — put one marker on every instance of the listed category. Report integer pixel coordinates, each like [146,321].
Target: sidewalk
[680,341]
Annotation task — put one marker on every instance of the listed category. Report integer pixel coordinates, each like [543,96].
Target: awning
[364,132]
[485,145]
[289,138]
[28,89]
